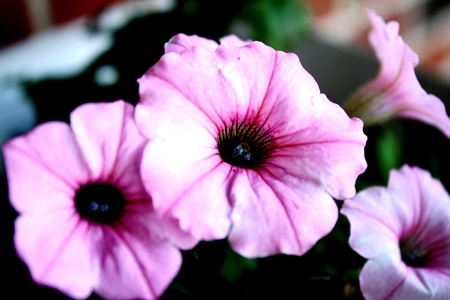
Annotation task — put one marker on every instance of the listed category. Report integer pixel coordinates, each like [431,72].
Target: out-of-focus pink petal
[395,91]
[44,168]
[394,55]
[435,281]
[134,263]
[108,138]
[55,246]
[130,254]
[278,215]
[385,277]
[389,226]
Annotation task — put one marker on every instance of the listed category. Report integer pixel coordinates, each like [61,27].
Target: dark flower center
[99,202]
[412,254]
[245,145]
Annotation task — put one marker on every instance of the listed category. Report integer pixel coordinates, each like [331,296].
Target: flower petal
[108,138]
[44,168]
[395,91]
[181,42]
[190,97]
[273,216]
[329,153]
[413,212]
[374,210]
[55,246]
[134,262]
[188,185]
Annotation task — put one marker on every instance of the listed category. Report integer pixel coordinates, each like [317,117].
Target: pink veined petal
[278,215]
[56,248]
[181,42]
[395,91]
[197,198]
[326,147]
[392,53]
[108,138]
[435,281]
[219,91]
[44,168]
[414,209]
[118,156]
[372,211]
[133,262]
[387,277]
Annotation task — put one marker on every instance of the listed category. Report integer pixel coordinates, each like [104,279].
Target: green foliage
[389,147]
[234,265]
[277,23]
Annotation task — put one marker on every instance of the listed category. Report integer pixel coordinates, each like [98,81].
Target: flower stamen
[235,142]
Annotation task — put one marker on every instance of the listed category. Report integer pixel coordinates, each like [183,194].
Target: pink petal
[278,215]
[55,246]
[181,42]
[191,188]
[386,277]
[414,207]
[190,96]
[44,168]
[329,153]
[234,41]
[108,138]
[219,91]
[134,263]
[395,91]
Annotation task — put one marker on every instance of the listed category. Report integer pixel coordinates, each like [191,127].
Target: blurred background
[56,55]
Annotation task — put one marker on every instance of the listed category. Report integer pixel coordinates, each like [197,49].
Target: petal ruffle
[45,167]
[133,263]
[274,215]
[181,42]
[328,153]
[110,141]
[56,249]
[413,212]
[189,97]
[188,184]
[395,91]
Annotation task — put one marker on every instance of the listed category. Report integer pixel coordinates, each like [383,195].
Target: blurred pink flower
[241,137]
[86,223]
[395,91]
[404,231]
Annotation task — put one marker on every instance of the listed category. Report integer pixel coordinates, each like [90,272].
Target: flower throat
[245,145]
[99,202]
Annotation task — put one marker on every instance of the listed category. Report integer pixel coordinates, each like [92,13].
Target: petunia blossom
[86,222]
[243,143]
[404,232]
[395,91]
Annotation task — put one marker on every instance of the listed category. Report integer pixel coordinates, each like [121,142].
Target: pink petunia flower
[404,231]
[395,91]
[86,223]
[242,142]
